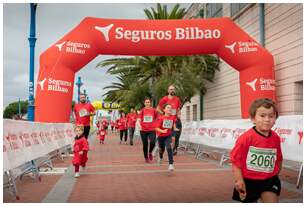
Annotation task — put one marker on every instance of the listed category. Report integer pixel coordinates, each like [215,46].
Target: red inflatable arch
[94,36]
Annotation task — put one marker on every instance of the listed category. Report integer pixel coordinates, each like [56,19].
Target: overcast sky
[53,21]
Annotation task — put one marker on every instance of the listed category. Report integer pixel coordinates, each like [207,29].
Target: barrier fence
[27,146]
[223,134]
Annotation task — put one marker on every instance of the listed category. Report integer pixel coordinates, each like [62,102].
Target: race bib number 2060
[261,159]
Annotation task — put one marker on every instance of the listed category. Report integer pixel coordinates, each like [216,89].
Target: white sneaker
[170,168]
[77,174]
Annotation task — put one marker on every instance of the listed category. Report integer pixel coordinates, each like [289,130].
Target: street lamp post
[79,83]
[32,41]
[19,108]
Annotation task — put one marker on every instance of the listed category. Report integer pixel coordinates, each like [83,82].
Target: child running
[164,126]
[257,157]
[80,149]
[101,134]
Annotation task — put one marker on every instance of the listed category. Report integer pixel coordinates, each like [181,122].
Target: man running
[82,112]
[171,99]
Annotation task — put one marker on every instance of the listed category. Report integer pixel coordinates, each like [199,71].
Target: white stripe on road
[154,171]
[145,165]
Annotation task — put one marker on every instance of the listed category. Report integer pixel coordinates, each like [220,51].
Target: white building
[283,36]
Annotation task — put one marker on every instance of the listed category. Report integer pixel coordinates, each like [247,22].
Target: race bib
[261,159]
[83,113]
[173,111]
[102,133]
[147,119]
[167,124]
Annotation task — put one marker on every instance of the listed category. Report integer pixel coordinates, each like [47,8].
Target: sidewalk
[118,173]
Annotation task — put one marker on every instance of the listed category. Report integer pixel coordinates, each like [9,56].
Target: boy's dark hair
[264,102]
[166,105]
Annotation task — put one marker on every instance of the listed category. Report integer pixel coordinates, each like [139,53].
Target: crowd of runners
[256,157]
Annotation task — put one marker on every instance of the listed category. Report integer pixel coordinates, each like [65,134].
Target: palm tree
[161,13]
[157,72]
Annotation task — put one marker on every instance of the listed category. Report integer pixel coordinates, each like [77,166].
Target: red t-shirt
[80,144]
[164,122]
[147,118]
[82,112]
[131,119]
[257,156]
[175,103]
[122,123]
[102,132]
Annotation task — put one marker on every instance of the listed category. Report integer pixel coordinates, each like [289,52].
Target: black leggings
[131,134]
[165,142]
[86,131]
[125,135]
[144,137]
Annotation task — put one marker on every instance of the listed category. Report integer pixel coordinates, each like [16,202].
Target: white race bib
[147,119]
[167,123]
[261,159]
[83,113]
[173,111]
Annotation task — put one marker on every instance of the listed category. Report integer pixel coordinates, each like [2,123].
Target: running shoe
[77,174]
[170,168]
[150,157]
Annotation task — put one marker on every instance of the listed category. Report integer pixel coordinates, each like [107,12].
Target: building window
[194,112]
[235,8]
[188,113]
[214,10]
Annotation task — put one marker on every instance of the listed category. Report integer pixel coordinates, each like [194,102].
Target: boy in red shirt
[80,149]
[164,126]
[257,156]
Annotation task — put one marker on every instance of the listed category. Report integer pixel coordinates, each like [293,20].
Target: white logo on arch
[41,84]
[59,46]
[231,47]
[252,84]
[105,30]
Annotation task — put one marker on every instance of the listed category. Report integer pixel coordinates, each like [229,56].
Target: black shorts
[254,188]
